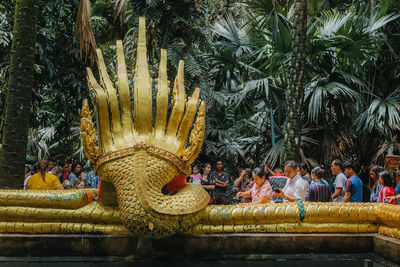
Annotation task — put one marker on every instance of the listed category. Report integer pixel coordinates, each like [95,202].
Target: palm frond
[84,31]
[333,22]
[238,38]
[381,115]
[375,23]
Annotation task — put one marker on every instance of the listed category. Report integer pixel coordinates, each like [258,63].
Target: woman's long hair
[73,169]
[204,166]
[376,170]
[387,179]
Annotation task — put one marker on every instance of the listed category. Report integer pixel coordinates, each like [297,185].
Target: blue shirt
[354,186]
[397,189]
[73,178]
[92,180]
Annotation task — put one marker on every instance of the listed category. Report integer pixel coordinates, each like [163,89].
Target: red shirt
[388,191]
[65,176]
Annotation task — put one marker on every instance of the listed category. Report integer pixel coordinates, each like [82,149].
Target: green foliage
[239,54]
[344,64]
[60,82]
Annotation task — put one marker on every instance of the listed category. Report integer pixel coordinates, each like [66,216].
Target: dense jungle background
[238,53]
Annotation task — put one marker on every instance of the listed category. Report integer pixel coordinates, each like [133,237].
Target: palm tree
[295,92]
[18,102]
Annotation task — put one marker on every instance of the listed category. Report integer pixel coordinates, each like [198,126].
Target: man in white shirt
[295,187]
[340,181]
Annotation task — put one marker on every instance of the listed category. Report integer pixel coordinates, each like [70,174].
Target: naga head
[136,154]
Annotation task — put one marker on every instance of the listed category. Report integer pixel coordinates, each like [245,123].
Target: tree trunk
[19,94]
[295,92]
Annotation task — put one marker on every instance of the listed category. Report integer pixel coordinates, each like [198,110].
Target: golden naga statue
[136,158]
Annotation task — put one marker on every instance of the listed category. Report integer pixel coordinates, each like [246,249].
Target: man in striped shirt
[318,190]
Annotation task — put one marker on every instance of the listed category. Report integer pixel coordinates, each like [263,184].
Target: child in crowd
[387,191]
[80,184]
[196,176]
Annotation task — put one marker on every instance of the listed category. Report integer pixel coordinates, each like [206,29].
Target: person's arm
[390,199]
[347,195]
[265,194]
[238,181]
[261,200]
[268,170]
[282,195]
[220,183]
[338,192]
[28,185]
[246,194]
[209,187]
[56,183]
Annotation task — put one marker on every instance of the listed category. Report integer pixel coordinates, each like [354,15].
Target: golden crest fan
[138,157]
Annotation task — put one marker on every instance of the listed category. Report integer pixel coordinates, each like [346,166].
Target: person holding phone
[295,187]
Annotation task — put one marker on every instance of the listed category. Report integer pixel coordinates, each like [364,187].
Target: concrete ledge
[185,246]
[202,247]
[387,247]
[22,245]
[243,244]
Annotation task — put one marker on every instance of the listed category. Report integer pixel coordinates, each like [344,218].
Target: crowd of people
[263,185]
[260,185]
[46,175]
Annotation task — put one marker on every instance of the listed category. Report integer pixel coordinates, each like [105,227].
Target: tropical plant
[343,49]
[20,83]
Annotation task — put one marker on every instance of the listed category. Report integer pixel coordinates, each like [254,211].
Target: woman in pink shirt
[261,191]
[387,190]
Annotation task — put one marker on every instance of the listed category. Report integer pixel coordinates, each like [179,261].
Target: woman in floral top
[261,192]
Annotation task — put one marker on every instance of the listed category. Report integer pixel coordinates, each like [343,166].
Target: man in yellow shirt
[42,180]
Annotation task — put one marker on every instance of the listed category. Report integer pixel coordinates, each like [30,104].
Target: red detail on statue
[176,184]
[99,191]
